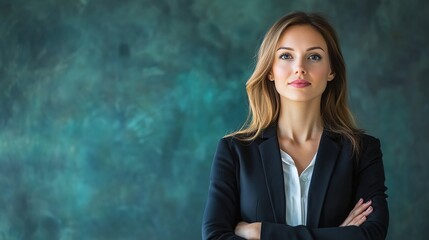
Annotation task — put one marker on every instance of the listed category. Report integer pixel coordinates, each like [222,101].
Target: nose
[300,71]
[300,68]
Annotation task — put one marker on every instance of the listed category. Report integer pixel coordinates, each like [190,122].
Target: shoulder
[229,154]
[237,141]
[369,149]
[248,137]
[368,141]
[360,145]
[239,148]
[366,138]
[362,138]
[247,145]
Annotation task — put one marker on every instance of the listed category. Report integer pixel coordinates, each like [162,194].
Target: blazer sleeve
[370,185]
[222,212]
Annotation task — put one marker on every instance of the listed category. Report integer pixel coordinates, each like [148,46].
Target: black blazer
[246,184]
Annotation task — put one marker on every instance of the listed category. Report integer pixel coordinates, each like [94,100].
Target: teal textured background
[110,111]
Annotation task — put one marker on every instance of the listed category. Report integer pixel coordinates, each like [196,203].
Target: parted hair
[264,100]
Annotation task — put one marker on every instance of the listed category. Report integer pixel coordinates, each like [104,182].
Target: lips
[299,83]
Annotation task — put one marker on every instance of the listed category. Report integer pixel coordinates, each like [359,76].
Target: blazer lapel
[325,162]
[272,165]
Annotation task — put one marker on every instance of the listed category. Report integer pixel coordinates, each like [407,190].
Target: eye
[315,57]
[285,56]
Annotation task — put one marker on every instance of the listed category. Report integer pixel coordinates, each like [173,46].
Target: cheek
[321,71]
[281,69]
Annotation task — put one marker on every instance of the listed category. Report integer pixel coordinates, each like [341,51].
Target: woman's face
[301,67]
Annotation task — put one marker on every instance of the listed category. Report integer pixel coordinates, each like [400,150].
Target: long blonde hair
[264,101]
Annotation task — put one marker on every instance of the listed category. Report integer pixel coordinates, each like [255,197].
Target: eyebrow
[308,49]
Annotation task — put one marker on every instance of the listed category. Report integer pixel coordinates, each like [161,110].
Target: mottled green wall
[110,110]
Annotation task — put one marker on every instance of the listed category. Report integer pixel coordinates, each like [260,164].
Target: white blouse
[296,189]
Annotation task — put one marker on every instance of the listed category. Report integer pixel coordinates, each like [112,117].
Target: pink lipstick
[299,83]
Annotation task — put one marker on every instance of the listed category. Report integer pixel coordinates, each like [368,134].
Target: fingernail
[360,200]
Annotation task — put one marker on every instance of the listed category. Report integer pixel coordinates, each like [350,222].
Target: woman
[299,168]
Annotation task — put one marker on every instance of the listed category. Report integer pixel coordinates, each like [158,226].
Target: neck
[300,121]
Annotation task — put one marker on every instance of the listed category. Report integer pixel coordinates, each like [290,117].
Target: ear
[270,76]
[331,76]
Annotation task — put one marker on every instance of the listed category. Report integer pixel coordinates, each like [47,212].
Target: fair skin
[301,70]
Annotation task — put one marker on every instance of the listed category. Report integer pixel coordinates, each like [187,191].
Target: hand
[358,214]
[249,231]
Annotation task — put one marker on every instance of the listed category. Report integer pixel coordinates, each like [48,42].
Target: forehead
[304,36]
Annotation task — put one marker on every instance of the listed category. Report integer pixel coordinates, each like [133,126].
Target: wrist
[256,231]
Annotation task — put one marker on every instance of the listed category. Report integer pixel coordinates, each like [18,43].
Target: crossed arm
[252,231]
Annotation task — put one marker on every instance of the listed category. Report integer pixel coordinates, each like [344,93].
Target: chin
[301,98]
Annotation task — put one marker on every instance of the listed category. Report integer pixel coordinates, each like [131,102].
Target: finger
[355,221]
[364,213]
[360,209]
[352,213]
[358,220]
[359,203]
[357,212]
